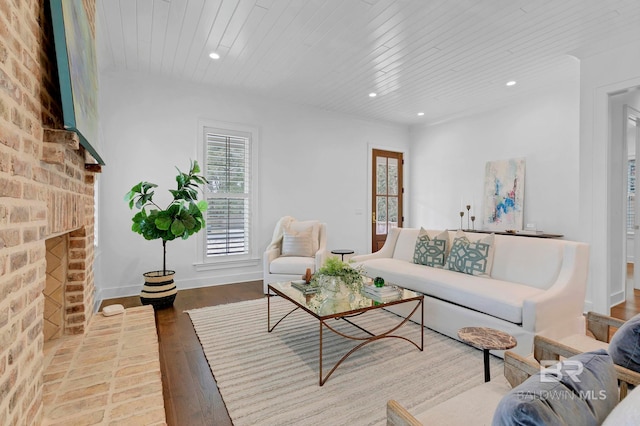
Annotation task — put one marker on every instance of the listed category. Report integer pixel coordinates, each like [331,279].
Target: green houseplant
[332,279]
[342,271]
[182,218]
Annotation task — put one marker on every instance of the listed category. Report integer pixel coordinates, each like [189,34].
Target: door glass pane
[393,212]
[381,175]
[381,215]
[393,176]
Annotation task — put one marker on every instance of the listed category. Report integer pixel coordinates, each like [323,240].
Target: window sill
[226,264]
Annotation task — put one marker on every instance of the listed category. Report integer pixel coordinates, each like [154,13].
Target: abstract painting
[77,71]
[504,195]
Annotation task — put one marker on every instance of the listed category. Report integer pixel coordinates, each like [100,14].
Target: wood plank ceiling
[439,57]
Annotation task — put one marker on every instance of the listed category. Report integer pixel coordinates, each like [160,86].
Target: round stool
[487,339]
[342,252]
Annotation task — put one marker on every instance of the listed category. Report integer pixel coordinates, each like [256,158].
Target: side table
[487,339]
[342,252]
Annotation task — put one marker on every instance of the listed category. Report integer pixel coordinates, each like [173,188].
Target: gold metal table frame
[345,316]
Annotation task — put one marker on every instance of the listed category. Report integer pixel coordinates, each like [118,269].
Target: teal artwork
[78,74]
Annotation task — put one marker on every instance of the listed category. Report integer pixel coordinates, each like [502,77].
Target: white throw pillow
[312,225]
[297,243]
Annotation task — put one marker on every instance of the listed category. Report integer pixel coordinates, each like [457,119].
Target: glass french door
[387,195]
[631,135]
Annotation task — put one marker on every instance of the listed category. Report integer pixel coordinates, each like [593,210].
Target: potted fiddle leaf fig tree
[182,218]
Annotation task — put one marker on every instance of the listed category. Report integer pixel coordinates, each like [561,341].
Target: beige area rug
[272,378]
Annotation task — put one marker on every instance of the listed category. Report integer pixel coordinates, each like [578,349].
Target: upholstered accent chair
[473,406]
[295,247]
[600,329]
[481,404]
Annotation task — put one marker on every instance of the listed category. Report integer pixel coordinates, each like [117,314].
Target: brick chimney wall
[45,191]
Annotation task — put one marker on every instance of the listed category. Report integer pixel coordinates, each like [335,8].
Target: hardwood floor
[627,309]
[191,395]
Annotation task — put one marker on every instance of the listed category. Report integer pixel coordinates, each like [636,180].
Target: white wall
[313,164]
[449,160]
[601,75]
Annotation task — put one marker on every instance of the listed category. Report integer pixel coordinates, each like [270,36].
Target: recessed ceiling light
[373,95]
[511,83]
[420,114]
[214,55]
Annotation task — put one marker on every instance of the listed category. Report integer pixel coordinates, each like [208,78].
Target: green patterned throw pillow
[430,252]
[473,258]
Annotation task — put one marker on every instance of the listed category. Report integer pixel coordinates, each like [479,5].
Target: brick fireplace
[46,196]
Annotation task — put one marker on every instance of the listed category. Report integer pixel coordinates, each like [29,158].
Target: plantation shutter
[228,215]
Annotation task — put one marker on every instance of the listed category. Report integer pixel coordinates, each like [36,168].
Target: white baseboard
[134,290]
[124,291]
[226,279]
[616,298]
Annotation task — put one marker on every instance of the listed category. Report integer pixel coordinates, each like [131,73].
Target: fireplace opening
[57,267]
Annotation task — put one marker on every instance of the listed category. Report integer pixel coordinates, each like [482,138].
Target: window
[228,164]
[631,194]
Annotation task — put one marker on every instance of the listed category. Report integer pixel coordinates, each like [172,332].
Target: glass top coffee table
[345,307]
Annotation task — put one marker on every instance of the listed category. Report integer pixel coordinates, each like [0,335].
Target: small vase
[330,284]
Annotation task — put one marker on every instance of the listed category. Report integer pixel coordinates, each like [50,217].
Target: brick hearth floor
[110,375]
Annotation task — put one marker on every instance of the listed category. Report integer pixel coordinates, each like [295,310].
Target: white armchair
[305,246]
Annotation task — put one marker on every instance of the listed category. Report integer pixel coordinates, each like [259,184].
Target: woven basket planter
[159,290]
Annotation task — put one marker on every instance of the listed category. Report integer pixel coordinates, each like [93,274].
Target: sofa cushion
[406,244]
[297,243]
[473,258]
[493,297]
[430,252]
[582,390]
[512,260]
[583,343]
[479,403]
[624,347]
[292,265]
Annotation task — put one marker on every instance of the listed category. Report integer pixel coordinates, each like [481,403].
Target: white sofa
[536,286]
